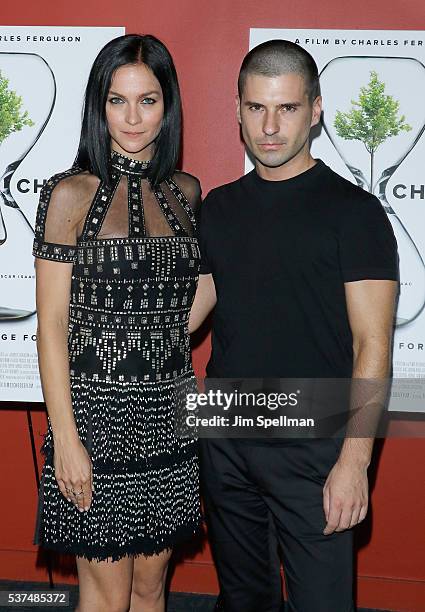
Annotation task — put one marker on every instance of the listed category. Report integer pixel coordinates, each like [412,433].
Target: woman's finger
[88,494]
[79,497]
[80,489]
[70,492]
[63,490]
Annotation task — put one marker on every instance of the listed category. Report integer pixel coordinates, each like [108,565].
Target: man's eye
[115,100]
[289,108]
[255,107]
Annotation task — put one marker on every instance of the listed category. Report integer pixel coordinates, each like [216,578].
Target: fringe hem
[144,547]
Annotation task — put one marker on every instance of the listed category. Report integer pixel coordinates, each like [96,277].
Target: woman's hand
[73,472]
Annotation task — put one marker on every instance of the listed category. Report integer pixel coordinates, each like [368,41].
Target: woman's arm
[58,228]
[53,291]
[204,302]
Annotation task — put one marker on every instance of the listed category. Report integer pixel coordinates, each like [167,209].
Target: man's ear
[238,108]
[316,111]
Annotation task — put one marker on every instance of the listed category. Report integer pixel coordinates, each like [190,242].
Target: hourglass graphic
[374,120]
[28,90]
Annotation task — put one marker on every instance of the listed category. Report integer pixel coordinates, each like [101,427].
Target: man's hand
[370,306]
[345,496]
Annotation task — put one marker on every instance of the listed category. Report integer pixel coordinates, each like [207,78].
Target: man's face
[276,116]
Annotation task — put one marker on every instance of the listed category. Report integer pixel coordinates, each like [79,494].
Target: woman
[117,267]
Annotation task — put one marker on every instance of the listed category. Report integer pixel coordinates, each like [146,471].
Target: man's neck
[291,168]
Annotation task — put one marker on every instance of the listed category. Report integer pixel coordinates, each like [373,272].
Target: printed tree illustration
[12,118]
[372,119]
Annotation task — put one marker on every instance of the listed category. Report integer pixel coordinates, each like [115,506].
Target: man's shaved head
[276,57]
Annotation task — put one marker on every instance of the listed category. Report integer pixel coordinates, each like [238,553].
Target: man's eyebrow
[291,104]
[252,103]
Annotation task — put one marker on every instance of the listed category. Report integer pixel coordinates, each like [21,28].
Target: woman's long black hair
[94,149]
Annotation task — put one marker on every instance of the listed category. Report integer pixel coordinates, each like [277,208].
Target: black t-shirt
[280,253]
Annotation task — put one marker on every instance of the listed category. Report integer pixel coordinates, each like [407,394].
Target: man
[301,266]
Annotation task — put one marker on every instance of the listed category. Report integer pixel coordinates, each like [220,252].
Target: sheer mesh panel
[74,206]
[191,188]
[178,210]
[115,224]
[69,201]
[153,220]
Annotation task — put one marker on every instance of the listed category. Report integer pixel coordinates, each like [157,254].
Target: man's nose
[271,124]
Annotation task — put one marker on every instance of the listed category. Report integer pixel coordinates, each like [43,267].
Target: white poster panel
[43,73]
[384,70]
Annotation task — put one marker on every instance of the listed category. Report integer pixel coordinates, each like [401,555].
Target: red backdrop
[208,41]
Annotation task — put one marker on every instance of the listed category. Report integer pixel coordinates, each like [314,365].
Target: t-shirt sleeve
[367,245]
[203,229]
[55,232]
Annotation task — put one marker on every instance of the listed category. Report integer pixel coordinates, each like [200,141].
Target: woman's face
[134,111]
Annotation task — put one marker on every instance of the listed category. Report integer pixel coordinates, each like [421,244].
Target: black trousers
[257,497]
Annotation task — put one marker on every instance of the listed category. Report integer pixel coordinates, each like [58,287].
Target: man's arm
[204,302]
[371,306]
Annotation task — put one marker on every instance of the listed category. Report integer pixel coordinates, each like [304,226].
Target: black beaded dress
[134,276]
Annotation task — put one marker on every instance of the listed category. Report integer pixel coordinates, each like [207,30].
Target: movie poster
[43,73]
[372,133]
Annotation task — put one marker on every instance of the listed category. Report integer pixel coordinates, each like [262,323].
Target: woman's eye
[116,100]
